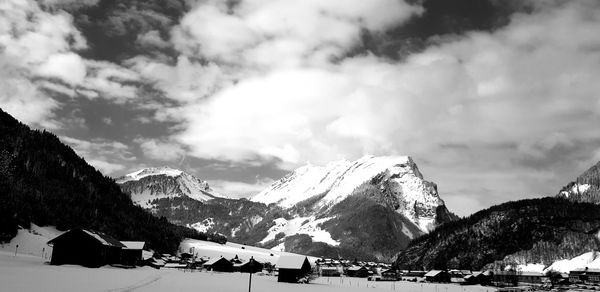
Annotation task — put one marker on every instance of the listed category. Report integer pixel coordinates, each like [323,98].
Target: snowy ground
[208,249]
[30,273]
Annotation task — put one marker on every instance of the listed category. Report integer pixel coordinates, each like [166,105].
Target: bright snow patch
[203,226]
[590,260]
[229,250]
[32,241]
[148,172]
[301,225]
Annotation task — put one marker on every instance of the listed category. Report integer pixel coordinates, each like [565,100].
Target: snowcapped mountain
[585,188]
[398,176]
[381,202]
[149,184]
[369,208]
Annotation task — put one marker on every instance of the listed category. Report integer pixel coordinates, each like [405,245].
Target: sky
[495,100]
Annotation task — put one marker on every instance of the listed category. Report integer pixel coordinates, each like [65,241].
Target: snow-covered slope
[148,184]
[416,198]
[585,188]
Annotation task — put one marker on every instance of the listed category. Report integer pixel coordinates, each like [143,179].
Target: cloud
[522,90]
[34,42]
[239,189]
[161,150]
[68,67]
[265,33]
[107,156]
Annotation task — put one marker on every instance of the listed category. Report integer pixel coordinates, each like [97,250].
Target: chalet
[359,272]
[86,248]
[330,272]
[482,278]
[220,264]
[251,266]
[437,276]
[585,276]
[530,277]
[293,268]
[132,253]
[389,275]
[415,273]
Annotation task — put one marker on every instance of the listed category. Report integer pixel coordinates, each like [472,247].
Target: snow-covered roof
[291,262]
[433,273]
[214,260]
[104,239]
[134,244]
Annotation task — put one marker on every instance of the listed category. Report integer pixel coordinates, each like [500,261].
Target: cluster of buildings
[95,249]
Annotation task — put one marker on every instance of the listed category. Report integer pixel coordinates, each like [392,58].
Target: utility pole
[16,247]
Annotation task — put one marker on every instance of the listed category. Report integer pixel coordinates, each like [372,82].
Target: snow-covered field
[229,250]
[30,273]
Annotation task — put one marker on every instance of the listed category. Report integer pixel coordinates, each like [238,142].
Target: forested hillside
[43,181]
[536,231]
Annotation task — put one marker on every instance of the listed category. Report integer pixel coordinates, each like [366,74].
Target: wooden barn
[86,248]
[359,272]
[330,272]
[251,266]
[293,268]
[437,276]
[390,275]
[219,265]
[131,254]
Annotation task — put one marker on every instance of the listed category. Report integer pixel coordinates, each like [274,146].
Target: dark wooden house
[86,248]
[359,272]
[131,254]
[251,266]
[219,265]
[293,268]
[390,275]
[585,276]
[437,276]
[330,271]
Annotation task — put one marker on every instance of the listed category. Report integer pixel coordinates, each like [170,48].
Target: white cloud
[30,38]
[265,33]
[239,189]
[68,67]
[161,150]
[516,93]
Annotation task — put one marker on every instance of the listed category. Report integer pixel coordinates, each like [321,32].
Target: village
[90,249]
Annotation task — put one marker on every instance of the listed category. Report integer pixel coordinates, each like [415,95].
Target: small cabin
[390,275]
[220,264]
[437,276]
[86,248]
[251,266]
[132,253]
[293,268]
[358,272]
[330,272]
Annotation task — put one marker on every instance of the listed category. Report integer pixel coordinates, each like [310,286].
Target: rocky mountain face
[585,188]
[369,208]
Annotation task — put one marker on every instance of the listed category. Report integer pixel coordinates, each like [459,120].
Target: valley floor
[31,273]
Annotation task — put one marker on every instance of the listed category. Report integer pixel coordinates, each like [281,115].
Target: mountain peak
[331,184]
[149,184]
[144,172]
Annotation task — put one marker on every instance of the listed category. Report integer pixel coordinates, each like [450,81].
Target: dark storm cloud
[112,28]
[441,19]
